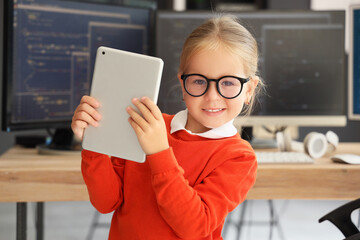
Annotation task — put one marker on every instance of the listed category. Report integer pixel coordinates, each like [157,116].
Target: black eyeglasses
[228,87]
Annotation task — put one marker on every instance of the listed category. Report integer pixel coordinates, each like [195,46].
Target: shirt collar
[179,121]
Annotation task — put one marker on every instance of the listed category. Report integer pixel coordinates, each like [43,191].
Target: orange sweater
[184,192]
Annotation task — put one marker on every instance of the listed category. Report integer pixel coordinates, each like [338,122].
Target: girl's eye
[227,83]
[199,82]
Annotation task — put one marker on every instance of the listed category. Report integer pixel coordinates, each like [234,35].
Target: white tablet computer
[118,77]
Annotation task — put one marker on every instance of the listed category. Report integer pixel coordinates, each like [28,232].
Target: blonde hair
[223,31]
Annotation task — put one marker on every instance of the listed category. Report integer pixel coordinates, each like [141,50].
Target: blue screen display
[54,49]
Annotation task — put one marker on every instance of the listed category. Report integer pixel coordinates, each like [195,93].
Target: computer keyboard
[283,157]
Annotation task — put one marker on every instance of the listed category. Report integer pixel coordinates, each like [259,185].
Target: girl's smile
[211,110]
[214,110]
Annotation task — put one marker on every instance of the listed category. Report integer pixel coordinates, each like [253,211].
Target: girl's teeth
[213,110]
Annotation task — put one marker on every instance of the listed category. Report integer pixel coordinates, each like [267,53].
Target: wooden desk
[26,176]
[322,180]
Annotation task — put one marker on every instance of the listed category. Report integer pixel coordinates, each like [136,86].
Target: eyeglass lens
[228,87]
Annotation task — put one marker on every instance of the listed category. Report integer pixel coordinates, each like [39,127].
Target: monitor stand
[257,143]
[62,144]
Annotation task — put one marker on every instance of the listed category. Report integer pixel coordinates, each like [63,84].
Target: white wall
[336,5]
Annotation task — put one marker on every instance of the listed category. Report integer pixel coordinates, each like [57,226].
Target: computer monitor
[301,61]
[49,53]
[354,61]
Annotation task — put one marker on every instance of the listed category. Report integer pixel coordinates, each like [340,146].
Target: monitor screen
[354,62]
[49,49]
[301,63]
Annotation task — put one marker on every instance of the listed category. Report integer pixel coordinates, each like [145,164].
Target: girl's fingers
[154,109]
[137,118]
[151,132]
[78,128]
[138,130]
[84,107]
[83,116]
[90,100]
[79,125]
[144,110]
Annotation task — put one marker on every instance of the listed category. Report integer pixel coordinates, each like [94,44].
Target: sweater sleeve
[103,177]
[195,212]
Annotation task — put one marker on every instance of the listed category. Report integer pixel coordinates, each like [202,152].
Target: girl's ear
[182,85]
[179,78]
[251,88]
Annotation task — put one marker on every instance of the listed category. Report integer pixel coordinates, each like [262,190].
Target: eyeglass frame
[208,80]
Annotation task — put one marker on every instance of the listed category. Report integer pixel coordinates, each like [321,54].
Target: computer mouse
[346,158]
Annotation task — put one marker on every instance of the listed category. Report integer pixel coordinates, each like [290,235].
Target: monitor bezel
[297,121]
[351,114]
[7,66]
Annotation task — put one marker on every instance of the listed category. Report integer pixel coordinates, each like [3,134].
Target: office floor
[298,221]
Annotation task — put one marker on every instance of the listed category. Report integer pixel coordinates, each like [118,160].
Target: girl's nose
[212,93]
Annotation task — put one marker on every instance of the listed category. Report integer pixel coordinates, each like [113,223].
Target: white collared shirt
[179,121]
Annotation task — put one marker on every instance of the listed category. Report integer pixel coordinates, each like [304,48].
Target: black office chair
[341,218]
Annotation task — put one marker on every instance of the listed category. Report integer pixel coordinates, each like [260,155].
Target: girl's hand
[149,128]
[85,115]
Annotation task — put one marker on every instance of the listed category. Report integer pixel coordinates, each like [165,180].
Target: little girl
[197,168]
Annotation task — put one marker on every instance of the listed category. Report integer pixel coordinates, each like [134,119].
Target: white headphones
[315,144]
